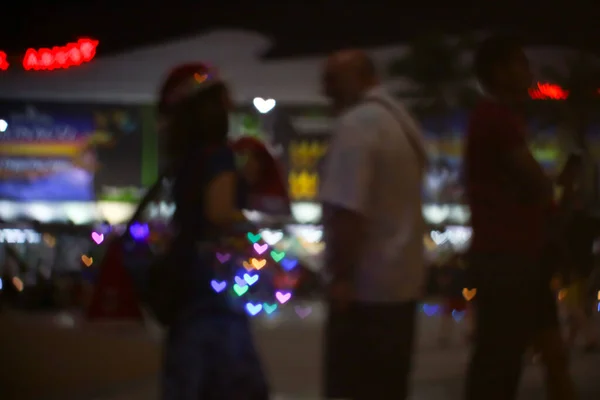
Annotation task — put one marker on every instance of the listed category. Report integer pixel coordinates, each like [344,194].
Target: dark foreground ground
[291,350]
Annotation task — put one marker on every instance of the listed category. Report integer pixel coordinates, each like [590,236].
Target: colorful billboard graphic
[305,162]
[67,152]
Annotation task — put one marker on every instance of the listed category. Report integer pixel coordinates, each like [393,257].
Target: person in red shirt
[262,174]
[511,199]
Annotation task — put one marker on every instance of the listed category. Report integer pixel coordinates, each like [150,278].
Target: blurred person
[580,234]
[511,202]
[209,349]
[373,228]
[262,175]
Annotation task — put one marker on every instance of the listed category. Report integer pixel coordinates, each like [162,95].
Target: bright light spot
[139,231]
[436,214]
[0,283]
[42,212]
[79,213]
[19,236]
[50,212]
[306,213]
[264,105]
[3,125]
[115,212]
[458,236]
[8,210]
[310,234]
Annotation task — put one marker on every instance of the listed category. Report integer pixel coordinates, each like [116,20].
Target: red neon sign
[548,91]
[70,55]
[3,63]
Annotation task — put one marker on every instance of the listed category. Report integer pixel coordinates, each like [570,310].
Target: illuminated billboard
[67,153]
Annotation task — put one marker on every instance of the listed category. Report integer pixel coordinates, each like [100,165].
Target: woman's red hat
[184,81]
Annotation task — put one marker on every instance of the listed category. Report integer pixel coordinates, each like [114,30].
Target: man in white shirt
[374,230]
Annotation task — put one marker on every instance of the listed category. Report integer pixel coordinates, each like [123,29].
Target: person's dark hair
[198,117]
[494,52]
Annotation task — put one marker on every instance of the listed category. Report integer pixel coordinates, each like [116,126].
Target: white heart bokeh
[264,105]
[439,237]
[271,237]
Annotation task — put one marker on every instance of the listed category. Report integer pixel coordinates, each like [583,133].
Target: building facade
[95,123]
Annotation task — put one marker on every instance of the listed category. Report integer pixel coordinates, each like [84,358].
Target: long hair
[193,111]
[271,182]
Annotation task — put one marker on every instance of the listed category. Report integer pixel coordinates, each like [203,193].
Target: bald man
[374,230]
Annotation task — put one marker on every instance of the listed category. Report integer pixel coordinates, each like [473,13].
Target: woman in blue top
[210,352]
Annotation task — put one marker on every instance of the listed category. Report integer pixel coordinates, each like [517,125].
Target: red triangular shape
[114,295]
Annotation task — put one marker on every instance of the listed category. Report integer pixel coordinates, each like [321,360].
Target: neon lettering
[60,57]
[3,63]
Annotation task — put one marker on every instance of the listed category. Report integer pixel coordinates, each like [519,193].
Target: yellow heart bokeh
[248,266]
[258,264]
[88,261]
[49,240]
[17,283]
[468,294]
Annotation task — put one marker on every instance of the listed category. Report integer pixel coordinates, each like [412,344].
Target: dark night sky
[298,28]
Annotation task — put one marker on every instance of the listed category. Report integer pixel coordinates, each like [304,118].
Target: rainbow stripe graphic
[52,148]
[42,149]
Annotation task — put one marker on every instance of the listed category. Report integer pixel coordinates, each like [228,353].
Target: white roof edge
[135,99]
[133,77]
[261,43]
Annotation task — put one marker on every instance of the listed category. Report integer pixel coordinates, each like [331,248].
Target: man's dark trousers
[513,303]
[368,350]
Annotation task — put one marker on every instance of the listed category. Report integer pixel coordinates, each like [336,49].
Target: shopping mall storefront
[80,146]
